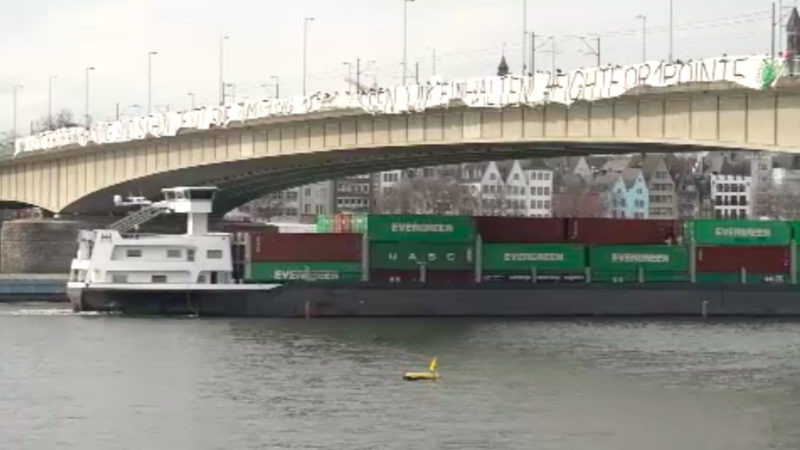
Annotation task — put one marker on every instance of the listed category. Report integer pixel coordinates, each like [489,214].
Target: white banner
[598,83]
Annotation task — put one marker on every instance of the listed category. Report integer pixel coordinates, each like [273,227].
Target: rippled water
[108,382]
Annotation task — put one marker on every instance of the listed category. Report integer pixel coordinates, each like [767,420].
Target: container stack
[741,251]
[285,257]
[631,250]
[408,248]
[528,249]
[342,223]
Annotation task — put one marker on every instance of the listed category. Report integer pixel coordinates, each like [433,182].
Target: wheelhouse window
[159,278]
[133,253]
[173,253]
[214,254]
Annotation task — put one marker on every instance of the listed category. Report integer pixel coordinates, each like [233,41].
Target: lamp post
[150,80]
[191,95]
[670,29]
[88,118]
[17,87]
[524,34]
[50,101]
[349,66]
[222,40]
[643,18]
[405,39]
[305,51]
[277,85]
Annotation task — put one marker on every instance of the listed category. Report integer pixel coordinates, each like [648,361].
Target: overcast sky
[39,38]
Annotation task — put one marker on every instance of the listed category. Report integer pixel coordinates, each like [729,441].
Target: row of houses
[646,186]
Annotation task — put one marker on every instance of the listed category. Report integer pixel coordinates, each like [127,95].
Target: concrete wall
[37,246]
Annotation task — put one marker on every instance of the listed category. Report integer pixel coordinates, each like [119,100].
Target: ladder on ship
[139,217]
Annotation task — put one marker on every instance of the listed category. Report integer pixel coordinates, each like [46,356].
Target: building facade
[731,196]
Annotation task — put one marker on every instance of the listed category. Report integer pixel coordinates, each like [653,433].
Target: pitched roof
[603,183]
[629,176]
[616,165]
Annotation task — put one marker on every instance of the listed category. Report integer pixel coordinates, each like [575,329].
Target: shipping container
[410,255]
[460,277]
[765,260]
[629,258]
[739,232]
[248,227]
[358,223]
[494,277]
[633,277]
[304,271]
[324,224]
[735,278]
[521,229]
[622,231]
[553,258]
[305,247]
[420,228]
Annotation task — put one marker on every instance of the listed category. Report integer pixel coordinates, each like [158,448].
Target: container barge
[438,266]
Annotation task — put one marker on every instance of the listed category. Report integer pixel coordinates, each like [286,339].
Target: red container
[522,230]
[337,223]
[413,276]
[346,223]
[769,260]
[622,231]
[327,247]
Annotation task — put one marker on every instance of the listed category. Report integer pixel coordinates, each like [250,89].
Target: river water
[108,382]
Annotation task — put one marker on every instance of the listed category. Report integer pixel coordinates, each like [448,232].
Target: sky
[61,38]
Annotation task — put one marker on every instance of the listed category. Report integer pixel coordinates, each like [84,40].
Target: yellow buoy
[431,374]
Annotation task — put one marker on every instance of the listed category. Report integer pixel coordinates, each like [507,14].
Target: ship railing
[134,219]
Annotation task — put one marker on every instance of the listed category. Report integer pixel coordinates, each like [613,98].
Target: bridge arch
[246,161]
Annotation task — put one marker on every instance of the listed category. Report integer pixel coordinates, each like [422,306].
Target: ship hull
[486,300]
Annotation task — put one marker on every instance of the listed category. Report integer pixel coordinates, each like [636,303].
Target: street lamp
[14,131]
[643,18]
[191,94]
[349,66]
[524,34]
[150,80]
[670,30]
[405,39]
[88,119]
[50,101]
[277,85]
[433,60]
[222,40]
[305,50]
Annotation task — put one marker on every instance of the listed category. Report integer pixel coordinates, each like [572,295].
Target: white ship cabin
[111,256]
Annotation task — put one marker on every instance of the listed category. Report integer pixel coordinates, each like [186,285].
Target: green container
[420,228]
[735,278]
[410,255]
[739,232]
[324,224]
[358,223]
[304,271]
[553,258]
[633,277]
[629,258]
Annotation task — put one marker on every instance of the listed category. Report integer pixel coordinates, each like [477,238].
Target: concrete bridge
[249,159]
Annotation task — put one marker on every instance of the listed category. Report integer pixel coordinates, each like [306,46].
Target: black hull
[508,299]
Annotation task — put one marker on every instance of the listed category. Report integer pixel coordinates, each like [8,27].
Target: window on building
[291,196]
[492,176]
[119,278]
[533,204]
[308,192]
[547,190]
[133,253]
[547,204]
[539,190]
[547,176]
[190,255]
[173,253]
[214,254]
[158,279]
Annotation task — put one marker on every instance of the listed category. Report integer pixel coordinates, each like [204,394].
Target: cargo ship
[415,265]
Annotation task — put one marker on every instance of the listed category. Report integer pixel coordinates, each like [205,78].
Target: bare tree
[265,208]
[440,195]
[62,119]
[777,201]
